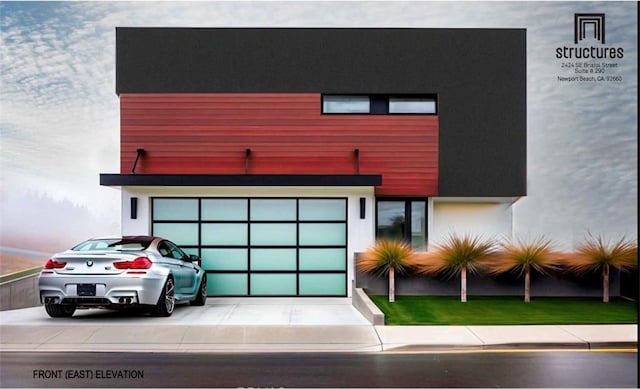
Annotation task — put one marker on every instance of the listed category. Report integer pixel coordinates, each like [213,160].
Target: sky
[59,118]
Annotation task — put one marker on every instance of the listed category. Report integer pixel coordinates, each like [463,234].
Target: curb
[533,347]
[366,307]
[610,345]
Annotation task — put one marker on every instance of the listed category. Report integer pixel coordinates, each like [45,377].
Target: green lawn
[504,310]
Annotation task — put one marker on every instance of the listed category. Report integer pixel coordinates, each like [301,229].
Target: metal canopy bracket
[247,154]
[139,152]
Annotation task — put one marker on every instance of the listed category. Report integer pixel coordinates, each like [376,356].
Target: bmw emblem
[89,263]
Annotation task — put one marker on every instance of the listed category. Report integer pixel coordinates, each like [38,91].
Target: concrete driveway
[218,311]
[223,324]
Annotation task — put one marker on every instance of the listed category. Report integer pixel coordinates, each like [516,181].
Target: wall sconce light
[139,152]
[247,153]
[356,152]
[134,207]
[363,207]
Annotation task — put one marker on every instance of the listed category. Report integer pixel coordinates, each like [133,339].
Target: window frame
[407,217]
[379,103]
[417,98]
[322,100]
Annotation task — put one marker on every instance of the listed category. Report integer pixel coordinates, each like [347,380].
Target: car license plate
[86,289]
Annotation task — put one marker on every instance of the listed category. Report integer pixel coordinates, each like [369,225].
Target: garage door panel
[182,234]
[273,284]
[273,234]
[273,259]
[323,234]
[272,210]
[225,259]
[224,209]
[322,209]
[175,209]
[323,259]
[323,284]
[222,284]
[224,234]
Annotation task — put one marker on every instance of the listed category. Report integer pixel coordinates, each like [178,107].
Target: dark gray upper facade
[479,76]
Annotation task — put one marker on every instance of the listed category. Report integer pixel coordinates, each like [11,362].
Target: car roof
[129,238]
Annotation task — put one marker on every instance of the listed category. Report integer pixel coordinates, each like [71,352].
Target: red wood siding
[287,134]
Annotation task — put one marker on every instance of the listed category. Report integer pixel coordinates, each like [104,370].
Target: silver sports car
[128,271]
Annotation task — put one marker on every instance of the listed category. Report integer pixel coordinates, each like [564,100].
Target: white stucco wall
[360,232]
[488,219]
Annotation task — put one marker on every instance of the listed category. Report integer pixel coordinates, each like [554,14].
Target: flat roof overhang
[240,179]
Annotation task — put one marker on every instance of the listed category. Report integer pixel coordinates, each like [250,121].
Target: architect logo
[586,26]
[584,22]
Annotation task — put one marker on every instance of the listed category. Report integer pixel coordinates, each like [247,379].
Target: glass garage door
[261,246]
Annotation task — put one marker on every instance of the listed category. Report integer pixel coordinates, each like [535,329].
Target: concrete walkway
[280,325]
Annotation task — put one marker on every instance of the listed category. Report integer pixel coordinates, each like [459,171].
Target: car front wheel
[167,301]
[201,297]
[60,310]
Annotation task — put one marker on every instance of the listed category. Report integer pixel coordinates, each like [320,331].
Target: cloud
[59,119]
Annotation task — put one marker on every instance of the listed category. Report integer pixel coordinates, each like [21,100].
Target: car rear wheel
[201,297]
[167,301]
[60,310]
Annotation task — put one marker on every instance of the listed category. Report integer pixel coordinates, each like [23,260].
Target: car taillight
[138,263]
[51,264]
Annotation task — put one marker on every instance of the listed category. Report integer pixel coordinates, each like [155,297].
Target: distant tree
[387,256]
[598,254]
[456,255]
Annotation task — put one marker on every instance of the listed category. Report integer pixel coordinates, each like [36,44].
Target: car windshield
[112,244]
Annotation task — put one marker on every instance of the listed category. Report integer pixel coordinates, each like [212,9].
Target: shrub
[599,254]
[387,257]
[456,255]
[521,256]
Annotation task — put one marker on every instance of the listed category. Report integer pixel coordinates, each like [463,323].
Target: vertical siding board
[208,133]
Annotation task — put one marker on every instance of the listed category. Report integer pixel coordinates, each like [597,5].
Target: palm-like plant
[597,253]
[386,257]
[456,255]
[522,256]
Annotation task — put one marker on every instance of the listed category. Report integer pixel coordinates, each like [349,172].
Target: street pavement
[522,369]
[283,325]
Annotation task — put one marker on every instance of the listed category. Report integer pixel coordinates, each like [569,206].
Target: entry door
[261,246]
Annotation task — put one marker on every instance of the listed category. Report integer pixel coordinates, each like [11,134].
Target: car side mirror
[195,259]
